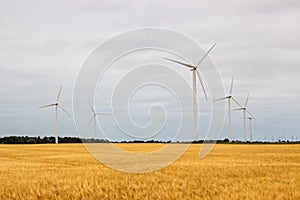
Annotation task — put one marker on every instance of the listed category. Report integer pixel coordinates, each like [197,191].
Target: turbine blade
[237,109]
[49,105]
[237,102]
[231,86]
[211,48]
[221,99]
[179,62]
[92,108]
[92,119]
[201,82]
[64,110]
[59,92]
[102,113]
[246,102]
[250,114]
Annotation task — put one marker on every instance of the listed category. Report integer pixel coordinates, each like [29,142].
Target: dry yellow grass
[228,172]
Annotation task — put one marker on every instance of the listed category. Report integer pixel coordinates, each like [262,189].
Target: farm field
[230,171]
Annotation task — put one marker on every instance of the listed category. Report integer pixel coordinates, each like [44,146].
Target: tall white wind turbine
[244,109]
[195,73]
[57,105]
[94,118]
[229,97]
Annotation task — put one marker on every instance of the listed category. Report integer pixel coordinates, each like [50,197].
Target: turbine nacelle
[194,69]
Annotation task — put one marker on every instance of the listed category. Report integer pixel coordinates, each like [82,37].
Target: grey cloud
[43,44]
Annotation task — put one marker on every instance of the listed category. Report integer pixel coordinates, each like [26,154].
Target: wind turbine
[244,109]
[195,73]
[57,105]
[229,97]
[250,125]
[94,119]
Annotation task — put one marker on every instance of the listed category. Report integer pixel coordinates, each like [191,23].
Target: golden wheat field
[230,171]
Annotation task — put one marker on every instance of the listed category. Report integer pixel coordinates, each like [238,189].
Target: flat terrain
[230,171]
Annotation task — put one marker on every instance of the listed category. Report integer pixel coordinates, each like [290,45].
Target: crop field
[230,171]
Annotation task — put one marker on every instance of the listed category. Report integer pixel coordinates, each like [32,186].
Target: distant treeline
[49,140]
[37,140]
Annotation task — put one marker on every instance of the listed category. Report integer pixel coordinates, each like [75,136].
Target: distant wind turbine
[244,109]
[57,105]
[195,72]
[229,97]
[94,119]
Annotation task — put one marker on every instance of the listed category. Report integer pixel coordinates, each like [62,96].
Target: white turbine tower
[57,105]
[229,97]
[250,126]
[244,109]
[195,72]
[94,119]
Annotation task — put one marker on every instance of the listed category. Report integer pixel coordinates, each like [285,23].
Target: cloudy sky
[44,43]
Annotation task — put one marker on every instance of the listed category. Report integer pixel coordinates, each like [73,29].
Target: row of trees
[37,140]
[49,140]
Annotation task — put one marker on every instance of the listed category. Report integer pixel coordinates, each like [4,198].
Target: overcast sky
[44,43]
